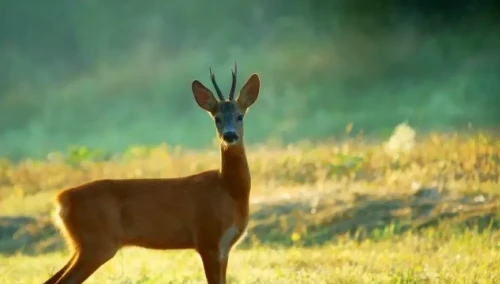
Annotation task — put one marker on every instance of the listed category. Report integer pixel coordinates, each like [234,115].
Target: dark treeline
[73,35]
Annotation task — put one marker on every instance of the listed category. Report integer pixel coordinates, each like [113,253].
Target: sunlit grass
[458,162]
[466,258]
[412,210]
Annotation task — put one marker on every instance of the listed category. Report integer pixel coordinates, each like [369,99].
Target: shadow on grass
[28,235]
[298,223]
[370,217]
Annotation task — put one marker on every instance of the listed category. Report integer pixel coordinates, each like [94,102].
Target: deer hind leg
[92,246]
[86,262]
[54,278]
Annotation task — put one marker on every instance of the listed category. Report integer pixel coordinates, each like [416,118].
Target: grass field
[401,211]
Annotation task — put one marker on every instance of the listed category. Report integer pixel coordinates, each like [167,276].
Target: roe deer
[207,211]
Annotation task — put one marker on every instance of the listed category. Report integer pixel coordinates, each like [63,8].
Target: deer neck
[234,171]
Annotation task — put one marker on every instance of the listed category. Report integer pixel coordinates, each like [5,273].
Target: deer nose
[230,136]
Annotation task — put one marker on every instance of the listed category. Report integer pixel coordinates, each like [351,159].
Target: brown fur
[207,212]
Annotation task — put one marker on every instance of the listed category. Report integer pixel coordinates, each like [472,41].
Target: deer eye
[217,119]
[239,118]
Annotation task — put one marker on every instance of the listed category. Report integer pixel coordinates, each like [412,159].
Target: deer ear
[249,92]
[203,96]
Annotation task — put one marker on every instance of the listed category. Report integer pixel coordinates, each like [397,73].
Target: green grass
[426,258]
[405,211]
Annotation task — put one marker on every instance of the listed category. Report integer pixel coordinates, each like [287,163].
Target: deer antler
[233,84]
[217,90]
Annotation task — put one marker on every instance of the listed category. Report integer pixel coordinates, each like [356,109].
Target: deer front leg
[215,264]
[224,269]
[225,245]
[212,264]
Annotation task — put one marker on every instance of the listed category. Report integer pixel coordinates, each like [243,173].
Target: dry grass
[405,211]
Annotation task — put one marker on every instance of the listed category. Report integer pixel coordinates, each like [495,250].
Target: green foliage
[77,154]
[108,75]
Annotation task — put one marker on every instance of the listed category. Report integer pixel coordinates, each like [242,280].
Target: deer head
[227,114]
